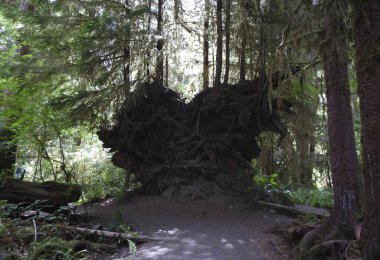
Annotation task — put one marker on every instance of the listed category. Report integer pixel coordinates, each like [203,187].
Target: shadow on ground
[201,230]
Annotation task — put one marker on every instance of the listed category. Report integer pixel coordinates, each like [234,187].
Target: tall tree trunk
[206,25]
[219,43]
[228,36]
[242,55]
[243,44]
[343,159]
[160,45]
[342,150]
[166,71]
[147,63]
[266,153]
[367,42]
[126,56]
[304,136]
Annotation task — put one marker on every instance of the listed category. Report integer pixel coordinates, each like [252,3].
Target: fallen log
[297,209]
[15,191]
[115,235]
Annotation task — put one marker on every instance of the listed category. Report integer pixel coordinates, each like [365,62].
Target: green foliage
[278,192]
[103,179]
[313,197]
[54,248]
[132,246]
[274,190]
[270,182]
[77,56]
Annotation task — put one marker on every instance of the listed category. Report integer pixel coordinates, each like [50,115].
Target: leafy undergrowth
[277,192]
[27,232]
[313,197]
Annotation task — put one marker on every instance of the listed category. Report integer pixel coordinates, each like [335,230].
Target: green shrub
[54,248]
[267,182]
[313,197]
[104,179]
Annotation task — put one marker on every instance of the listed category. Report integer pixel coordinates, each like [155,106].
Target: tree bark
[242,56]
[228,36]
[15,191]
[147,64]
[219,43]
[266,153]
[206,46]
[304,136]
[243,43]
[342,151]
[160,45]
[367,40]
[126,57]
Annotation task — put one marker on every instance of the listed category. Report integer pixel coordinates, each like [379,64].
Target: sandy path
[217,230]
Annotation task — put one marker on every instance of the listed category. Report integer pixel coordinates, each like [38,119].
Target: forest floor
[218,229]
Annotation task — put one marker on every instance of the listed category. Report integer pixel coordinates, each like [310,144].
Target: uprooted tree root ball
[197,149]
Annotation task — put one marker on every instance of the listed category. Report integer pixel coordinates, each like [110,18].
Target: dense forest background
[82,58]
[67,67]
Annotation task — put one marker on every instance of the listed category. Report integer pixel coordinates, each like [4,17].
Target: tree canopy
[195,93]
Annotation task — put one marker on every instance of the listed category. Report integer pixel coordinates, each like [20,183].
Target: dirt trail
[212,230]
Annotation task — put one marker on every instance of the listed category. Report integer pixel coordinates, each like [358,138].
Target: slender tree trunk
[166,71]
[126,57]
[343,159]
[266,154]
[242,56]
[206,46]
[160,45]
[243,44]
[219,43]
[147,64]
[228,36]
[304,135]
[367,42]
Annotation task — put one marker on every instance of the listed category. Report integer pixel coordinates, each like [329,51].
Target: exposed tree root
[330,239]
[197,149]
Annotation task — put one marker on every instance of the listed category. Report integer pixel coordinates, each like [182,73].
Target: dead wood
[197,149]
[297,209]
[15,191]
[113,235]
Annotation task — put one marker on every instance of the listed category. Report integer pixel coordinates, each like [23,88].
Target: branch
[123,236]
